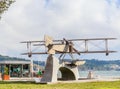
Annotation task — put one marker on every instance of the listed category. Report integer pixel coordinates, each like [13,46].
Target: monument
[67,67]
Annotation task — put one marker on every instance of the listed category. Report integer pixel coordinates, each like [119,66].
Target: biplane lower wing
[72,52]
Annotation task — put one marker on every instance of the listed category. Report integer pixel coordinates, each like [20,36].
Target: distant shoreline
[101,74]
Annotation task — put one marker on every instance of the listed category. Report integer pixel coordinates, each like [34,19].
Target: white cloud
[31,19]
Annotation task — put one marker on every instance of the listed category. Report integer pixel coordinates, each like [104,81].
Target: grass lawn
[88,85]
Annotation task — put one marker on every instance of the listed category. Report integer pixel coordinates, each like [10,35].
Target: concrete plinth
[69,73]
[51,69]
[53,65]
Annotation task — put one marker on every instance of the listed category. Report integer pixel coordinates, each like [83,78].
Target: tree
[4,5]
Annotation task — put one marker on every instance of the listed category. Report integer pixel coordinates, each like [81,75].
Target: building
[16,68]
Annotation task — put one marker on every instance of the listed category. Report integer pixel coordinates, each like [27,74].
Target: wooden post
[86,46]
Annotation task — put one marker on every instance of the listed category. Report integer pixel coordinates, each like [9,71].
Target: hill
[10,58]
[41,63]
[91,64]
[94,64]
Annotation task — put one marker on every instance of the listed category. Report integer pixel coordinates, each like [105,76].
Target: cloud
[30,20]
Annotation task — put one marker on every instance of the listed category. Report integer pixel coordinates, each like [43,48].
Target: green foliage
[6,70]
[39,73]
[4,5]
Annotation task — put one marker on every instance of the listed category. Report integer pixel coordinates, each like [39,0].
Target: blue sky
[116,2]
[32,19]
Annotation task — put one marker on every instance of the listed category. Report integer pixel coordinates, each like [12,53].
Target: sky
[32,19]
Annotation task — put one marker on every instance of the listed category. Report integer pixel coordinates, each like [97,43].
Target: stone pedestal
[51,70]
[90,75]
[69,72]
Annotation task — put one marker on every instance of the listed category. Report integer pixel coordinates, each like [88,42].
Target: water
[102,74]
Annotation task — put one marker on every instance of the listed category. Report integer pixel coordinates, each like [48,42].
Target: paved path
[89,80]
[37,80]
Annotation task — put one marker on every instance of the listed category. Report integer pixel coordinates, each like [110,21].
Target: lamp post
[31,67]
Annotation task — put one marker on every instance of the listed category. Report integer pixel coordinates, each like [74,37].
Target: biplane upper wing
[58,46]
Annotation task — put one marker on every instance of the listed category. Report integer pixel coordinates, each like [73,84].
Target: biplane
[67,46]
[68,68]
